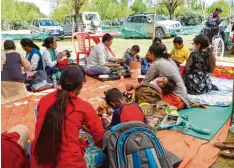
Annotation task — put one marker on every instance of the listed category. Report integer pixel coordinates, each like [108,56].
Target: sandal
[229,154]
[224,145]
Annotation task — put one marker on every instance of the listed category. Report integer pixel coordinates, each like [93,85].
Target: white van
[89,22]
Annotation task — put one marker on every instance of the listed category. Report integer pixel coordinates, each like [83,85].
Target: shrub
[190,19]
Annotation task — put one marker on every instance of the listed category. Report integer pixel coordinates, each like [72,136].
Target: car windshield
[91,16]
[158,17]
[48,23]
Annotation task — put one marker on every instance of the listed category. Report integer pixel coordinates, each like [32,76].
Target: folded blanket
[220,98]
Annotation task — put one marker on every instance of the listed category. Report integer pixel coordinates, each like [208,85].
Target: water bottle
[54,80]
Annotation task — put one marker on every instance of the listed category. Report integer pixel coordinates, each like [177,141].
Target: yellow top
[180,55]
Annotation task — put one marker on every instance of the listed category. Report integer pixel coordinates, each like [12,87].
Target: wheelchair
[216,39]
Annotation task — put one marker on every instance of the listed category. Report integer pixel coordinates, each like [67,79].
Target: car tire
[62,38]
[159,33]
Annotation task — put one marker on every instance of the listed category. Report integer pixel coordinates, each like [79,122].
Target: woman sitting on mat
[33,54]
[163,66]
[59,119]
[199,66]
[51,57]
[13,75]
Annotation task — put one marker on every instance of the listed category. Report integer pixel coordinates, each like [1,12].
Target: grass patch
[222,162]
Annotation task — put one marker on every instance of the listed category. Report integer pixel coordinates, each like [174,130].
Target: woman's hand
[199,105]
[129,87]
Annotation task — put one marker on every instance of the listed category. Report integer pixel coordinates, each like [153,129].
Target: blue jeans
[98,70]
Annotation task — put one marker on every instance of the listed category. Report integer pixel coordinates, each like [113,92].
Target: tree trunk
[171,13]
[77,11]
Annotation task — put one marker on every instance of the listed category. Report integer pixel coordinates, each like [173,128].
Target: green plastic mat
[212,118]
[141,30]
[33,36]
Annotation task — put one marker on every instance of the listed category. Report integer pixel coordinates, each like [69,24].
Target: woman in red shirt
[60,116]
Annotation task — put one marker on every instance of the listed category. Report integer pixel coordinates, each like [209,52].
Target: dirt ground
[119,46]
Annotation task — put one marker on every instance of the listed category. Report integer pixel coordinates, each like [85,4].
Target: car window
[137,19]
[144,19]
[91,16]
[48,23]
[36,23]
[159,18]
[149,20]
[130,19]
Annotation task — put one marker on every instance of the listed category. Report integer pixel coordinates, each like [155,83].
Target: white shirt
[47,58]
[34,61]
[99,55]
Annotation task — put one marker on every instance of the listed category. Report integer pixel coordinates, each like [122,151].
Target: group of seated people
[61,114]
[15,68]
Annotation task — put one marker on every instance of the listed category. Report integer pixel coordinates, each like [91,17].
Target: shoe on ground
[224,145]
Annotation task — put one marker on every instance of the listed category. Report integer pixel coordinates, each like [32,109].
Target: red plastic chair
[80,38]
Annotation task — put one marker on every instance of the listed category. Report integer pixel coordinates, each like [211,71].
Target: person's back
[12,68]
[76,113]
[123,112]
[12,77]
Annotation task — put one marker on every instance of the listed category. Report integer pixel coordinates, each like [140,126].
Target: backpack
[134,144]
[147,93]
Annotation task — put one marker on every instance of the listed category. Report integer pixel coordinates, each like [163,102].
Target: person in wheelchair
[214,18]
[213,24]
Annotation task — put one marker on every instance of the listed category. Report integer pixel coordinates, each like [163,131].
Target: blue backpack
[134,145]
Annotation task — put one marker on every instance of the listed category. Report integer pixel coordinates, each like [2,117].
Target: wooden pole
[112,17]
[154,24]
[203,9]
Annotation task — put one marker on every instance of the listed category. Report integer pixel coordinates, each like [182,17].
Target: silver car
[47,25]
[164,27]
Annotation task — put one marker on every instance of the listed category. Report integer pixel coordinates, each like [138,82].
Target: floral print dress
[197,73]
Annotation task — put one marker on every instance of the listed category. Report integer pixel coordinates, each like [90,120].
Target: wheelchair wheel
[219,46]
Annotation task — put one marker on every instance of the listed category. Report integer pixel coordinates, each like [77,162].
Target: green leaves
[139,6]
[16,11]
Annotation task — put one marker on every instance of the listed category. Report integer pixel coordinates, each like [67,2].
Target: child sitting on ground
[131,55]
[179,53]
[64,61]
[123,112]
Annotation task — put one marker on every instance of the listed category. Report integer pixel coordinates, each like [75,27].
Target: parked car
[47,25]
[164,27]
[89,22]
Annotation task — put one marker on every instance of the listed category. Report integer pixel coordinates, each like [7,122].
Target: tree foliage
[139,6]
[222,4]
[16,11]
[190,19]
[171,6]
